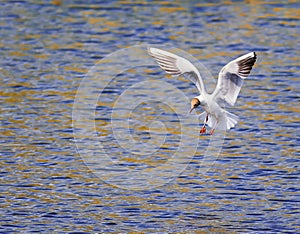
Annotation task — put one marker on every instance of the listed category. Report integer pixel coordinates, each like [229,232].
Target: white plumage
[228,87]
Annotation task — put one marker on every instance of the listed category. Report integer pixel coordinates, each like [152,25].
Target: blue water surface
[48,47]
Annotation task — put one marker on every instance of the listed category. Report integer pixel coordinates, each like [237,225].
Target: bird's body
[228,87]
[215,114]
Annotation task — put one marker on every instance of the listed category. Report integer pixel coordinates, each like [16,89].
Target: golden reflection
[288,13]
[32,36]
[38,122]
[95,20]
[206,4]
[76,69]
[54,46]
[267,15]
[17,54]
[41,56]
[159,22]
[171,10]
[56,2]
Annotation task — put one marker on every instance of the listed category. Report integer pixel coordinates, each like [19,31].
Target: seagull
[229,84]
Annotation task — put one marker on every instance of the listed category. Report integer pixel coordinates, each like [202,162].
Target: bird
[230,81]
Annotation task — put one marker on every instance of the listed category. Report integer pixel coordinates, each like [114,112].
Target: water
[47,48]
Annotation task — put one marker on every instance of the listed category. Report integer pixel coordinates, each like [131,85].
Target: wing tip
[249,55]
[150,51]
[154,52]
[245,64]
[165,60]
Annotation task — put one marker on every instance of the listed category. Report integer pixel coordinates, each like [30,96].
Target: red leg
[203,129]
[213,129]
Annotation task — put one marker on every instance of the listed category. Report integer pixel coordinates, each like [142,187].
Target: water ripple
[47,48]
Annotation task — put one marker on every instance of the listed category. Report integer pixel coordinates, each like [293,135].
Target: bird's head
[194,104]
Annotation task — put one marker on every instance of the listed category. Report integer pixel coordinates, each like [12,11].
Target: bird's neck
[202,99]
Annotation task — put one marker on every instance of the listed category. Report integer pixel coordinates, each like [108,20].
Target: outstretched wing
[231,78]
[176,66]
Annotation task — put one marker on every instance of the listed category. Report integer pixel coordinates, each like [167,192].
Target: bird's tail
[231,120]
[227,122]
